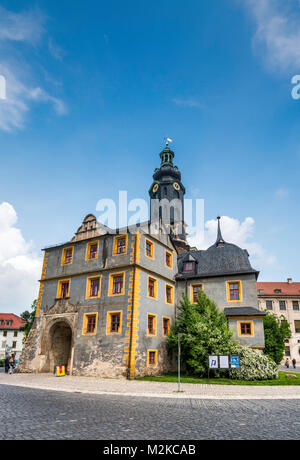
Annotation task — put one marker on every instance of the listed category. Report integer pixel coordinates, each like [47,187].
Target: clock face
[155,188]
[176,186]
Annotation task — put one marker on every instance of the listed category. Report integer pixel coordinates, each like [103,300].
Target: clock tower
[167,196]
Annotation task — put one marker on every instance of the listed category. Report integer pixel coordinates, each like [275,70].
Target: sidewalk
[93,385]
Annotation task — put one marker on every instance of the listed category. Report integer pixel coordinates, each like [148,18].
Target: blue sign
[235,362]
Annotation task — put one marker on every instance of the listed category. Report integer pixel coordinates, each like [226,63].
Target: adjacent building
[11,338]
[108,297]
[283,299]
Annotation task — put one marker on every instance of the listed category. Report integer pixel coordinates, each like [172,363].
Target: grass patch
[173,378]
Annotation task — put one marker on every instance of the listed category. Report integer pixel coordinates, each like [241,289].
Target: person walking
[11,365]
[294,363]
[287,363]
[6,365]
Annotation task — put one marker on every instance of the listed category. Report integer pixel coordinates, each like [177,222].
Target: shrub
[254,365]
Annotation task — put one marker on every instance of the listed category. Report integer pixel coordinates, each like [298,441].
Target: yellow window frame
[111,284]
[63,259]
[152,248]
[192,291]
[115,249]
[85,323]
[148,358]
[155,288]
[240,328]
[59,288]
[171,258]
[108,322]
[228,284]
[169,326]
[88,250]
[88,287]
[172,294]
[154,324]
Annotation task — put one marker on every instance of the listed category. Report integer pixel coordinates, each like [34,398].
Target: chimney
[290,281]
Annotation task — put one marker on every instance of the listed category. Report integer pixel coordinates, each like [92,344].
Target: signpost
[179,359]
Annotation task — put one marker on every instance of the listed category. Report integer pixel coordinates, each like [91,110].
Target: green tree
[28,317]
[205,332]
[277,331]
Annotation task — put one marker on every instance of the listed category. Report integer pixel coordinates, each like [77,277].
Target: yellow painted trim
[111,284]
[59,287]
[85,323]
[108,322]
[228,283]
[169,327]
[171,256]
[88,287]
[154,325]
[63,258]
[172,294]
[88,247]
[152,248]
[155,288]
[41,290]
[115,248]
[148,358]
[191,291]
[240,331]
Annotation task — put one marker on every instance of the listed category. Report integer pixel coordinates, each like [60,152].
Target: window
[114,322]
[120,245]
[269,305]
[297,327]
[246,328]
[63,289]
[287,351]
[277,291]
[296,306]
[169,259]
[67,257]
[149,249]
[8,323]
[152,357]
[166,326]
[92,250]
[4,333]
[196,289]
[151,325]
[90,323]
[93,288]
[169,295]
[116,284]
[152,288]
[188,267]
[282,305]
[14,345]
[16,334]
[3,344]
[234,291]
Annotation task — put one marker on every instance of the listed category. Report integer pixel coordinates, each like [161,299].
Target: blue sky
[94,87]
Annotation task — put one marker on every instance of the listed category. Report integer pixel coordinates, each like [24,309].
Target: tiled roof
[243,311]
[285,288]
[16,321]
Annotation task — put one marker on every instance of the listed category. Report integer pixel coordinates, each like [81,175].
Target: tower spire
[220,240]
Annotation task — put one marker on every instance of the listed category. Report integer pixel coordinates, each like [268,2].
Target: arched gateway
[61,346]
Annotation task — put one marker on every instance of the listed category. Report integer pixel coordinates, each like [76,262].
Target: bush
[254,366]
[1,362]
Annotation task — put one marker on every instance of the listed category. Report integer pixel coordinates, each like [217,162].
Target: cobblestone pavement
[39,414]
[151,389]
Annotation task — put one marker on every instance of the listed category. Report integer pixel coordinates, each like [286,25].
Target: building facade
[108,298]
[283,299]
[11,338]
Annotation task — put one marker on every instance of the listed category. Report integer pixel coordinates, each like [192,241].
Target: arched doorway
[60,346]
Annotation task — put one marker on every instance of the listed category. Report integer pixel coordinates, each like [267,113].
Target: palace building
[108,298]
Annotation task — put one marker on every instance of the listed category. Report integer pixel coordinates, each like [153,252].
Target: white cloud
[20,266]
[27,27]
[277,36]
[235,232]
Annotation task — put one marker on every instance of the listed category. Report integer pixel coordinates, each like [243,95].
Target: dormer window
[188,267]
[277,291]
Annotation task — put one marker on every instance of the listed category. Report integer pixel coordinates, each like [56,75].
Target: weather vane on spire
[168,140]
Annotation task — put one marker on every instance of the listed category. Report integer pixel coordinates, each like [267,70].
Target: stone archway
[60,352]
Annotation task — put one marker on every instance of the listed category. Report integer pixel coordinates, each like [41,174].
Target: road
[41,414]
